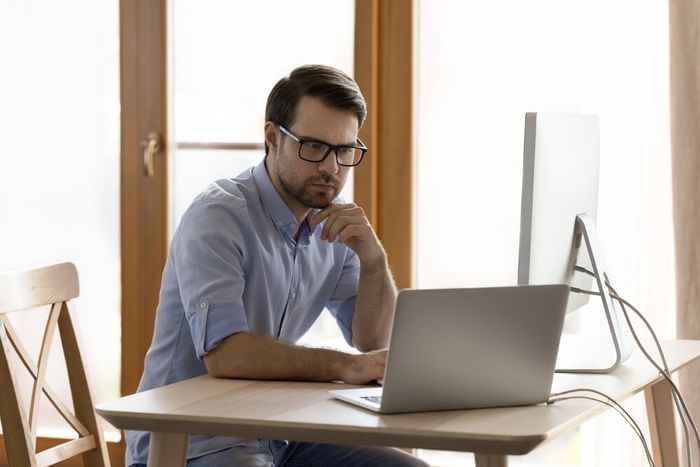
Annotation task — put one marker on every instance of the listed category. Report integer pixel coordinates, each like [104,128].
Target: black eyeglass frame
[331,148]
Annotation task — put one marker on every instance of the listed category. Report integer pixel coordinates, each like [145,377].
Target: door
[195,78]
[195,75]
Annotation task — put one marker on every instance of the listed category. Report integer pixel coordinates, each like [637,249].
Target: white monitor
[557,227]
[560,180]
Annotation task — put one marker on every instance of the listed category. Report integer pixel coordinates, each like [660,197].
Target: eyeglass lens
[315,151]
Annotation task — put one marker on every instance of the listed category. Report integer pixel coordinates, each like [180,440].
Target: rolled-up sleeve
[208,255]
[342,301]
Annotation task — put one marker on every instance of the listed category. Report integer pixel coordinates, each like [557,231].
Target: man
[256,259]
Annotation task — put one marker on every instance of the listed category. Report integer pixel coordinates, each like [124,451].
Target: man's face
[304,184]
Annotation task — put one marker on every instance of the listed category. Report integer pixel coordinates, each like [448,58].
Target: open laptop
[469,348]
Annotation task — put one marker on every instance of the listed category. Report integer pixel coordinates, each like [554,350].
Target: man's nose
[330,163]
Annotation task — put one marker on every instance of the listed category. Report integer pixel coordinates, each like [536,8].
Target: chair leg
[18,444]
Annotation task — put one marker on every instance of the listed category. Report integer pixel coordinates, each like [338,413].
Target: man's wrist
[375,264]
[340,362]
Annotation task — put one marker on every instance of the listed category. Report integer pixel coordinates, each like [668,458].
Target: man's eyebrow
[316,140]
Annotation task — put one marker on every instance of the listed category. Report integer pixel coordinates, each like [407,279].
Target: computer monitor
[557,227]
[560,180]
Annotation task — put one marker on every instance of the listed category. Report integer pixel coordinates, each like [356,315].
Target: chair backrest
[22,291]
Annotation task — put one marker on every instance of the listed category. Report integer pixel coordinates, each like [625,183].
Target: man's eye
[345,150]
[314,145]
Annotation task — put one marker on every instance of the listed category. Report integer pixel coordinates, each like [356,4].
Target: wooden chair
[53,285]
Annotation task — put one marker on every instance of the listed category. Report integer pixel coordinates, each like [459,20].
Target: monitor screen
[560,180]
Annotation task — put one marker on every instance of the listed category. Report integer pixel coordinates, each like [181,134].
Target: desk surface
[306,412]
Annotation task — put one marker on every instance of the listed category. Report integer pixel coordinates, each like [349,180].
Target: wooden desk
[306,412]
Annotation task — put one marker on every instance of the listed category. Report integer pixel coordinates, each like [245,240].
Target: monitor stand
[595,355]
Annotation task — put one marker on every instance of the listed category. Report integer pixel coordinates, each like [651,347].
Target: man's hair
[333,87]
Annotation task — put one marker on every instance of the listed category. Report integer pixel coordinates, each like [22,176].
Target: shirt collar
[274,205]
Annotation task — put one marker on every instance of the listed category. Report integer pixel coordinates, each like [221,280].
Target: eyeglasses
[312,150]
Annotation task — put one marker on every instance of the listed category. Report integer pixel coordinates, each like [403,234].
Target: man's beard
[301,191]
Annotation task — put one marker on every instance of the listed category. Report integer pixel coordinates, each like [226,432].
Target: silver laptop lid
[469,348]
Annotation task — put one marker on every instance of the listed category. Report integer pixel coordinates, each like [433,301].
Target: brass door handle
[150,147]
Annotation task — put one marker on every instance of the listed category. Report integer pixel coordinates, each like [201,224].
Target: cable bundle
[679,402]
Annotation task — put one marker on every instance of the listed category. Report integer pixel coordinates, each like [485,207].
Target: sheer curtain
[481,66]
[59,171]
[685,124]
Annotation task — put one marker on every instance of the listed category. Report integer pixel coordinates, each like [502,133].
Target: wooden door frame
[383,187]
[384,71]
[144,228]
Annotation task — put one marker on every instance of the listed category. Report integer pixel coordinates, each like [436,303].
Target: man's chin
[318,202]
[318,205]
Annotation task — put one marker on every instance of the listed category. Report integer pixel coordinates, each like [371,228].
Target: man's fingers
[328,210]
[339,218]
[360,231]
[368,367]
[346,227]
[349,223]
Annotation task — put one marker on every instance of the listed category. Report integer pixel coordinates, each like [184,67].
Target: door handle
[151,147]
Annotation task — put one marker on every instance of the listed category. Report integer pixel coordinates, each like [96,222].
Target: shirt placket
[293,286]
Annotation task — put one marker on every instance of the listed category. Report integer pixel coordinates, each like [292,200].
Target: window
[221,83]
[481,66]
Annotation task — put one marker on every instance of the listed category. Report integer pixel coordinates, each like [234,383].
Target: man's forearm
[252,356]
[374,309]
[376,295]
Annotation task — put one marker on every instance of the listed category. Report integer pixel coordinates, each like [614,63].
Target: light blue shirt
[234,266]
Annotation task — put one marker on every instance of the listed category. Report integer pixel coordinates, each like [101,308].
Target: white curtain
[59,170]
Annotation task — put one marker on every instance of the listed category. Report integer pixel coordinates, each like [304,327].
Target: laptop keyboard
[374,399]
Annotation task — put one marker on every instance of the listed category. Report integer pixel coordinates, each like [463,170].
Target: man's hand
[365,368]
[349,224]
[376,294]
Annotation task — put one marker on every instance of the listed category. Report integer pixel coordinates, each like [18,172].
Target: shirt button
[294,295]
[280,223]
[202,305]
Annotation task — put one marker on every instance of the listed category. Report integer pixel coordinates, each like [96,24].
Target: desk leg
[662,427]
[490,460]
[168,449]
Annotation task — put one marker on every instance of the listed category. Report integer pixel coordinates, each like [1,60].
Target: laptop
[468,348]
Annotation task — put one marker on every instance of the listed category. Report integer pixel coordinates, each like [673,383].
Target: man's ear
[271,136]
